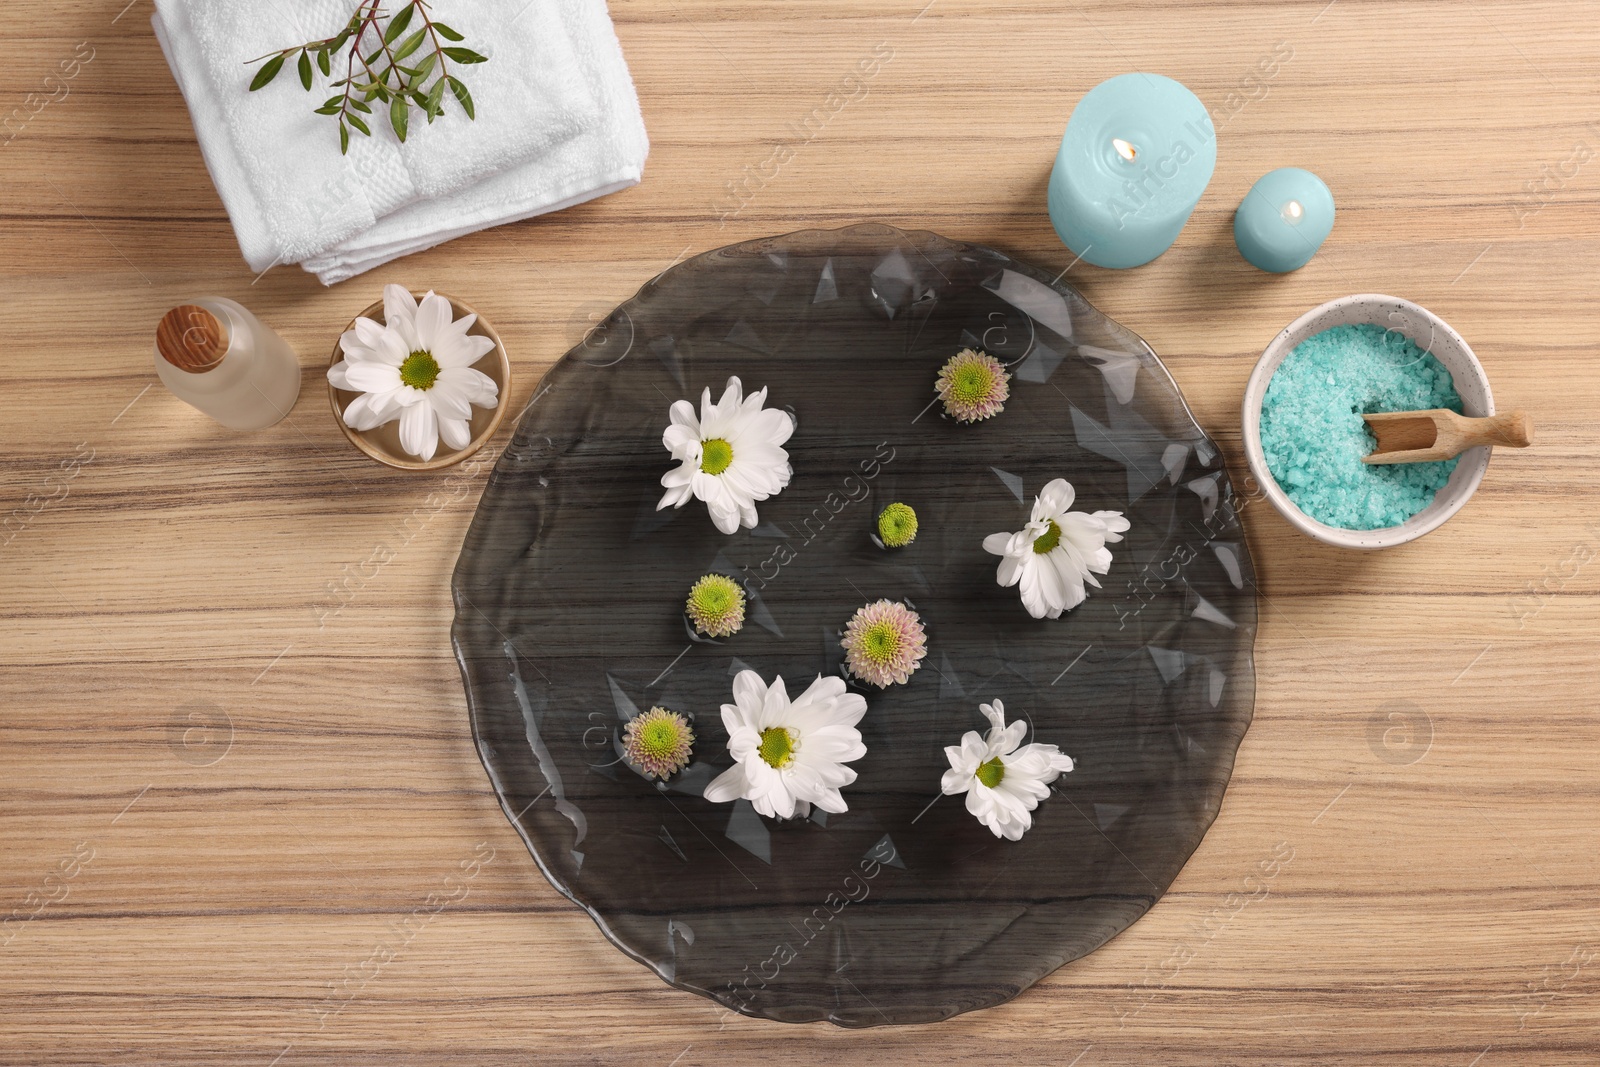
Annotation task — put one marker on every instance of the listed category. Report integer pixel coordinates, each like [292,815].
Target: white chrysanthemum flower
[1003,782]
[791,754]
[731,456]
[1057,552]
[416,366]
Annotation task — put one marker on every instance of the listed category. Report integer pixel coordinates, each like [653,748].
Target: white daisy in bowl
[730,458]
[1004,779]
[791,754]
[1057,552]
[416,366]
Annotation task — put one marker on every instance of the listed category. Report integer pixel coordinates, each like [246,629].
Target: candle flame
[1124,149]
[1292,211]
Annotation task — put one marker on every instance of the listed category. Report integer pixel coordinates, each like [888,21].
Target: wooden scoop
[1428,436]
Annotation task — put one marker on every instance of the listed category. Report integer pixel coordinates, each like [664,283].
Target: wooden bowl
[383,442]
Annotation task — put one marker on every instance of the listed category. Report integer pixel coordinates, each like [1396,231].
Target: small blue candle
[1283,220]
[1138,152]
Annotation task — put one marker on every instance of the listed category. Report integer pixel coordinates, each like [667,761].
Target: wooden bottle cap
[190,338]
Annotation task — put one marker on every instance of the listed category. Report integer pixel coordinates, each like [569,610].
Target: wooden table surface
[218,799]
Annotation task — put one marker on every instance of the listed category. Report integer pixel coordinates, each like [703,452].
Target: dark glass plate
[569,596]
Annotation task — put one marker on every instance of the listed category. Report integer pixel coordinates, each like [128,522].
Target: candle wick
[1124,149]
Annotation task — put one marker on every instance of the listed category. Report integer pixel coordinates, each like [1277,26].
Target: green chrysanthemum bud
[897,525]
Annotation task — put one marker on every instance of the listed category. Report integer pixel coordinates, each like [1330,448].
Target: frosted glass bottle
[216,356]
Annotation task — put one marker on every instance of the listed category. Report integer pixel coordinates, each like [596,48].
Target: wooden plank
[1425,726]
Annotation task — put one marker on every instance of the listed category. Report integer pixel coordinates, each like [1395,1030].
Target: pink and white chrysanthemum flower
[973,385]
[884,643]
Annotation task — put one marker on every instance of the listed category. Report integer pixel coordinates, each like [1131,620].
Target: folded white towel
[558,123]
[605,156]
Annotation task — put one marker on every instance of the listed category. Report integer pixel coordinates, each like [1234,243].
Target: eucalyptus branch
[385,75]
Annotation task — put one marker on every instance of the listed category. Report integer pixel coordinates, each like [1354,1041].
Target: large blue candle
[1138,152]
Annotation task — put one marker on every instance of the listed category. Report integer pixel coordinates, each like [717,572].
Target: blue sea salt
[1314,437]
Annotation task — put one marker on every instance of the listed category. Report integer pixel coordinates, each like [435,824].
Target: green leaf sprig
[401,63]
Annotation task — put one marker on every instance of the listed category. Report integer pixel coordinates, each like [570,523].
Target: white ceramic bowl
[1431,334]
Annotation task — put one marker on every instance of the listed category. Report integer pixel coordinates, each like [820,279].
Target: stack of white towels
[557,123]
